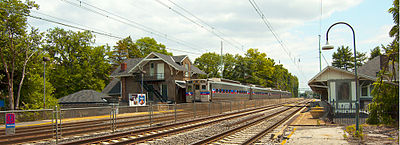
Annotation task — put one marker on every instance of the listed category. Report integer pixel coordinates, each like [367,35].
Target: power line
[196,23]
[92,31]
[202,21]
[128,22]
[269,26]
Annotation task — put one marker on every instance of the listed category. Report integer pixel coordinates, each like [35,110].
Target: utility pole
[319,48]
[222,60]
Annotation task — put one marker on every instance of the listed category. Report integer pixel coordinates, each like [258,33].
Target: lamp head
[327,46]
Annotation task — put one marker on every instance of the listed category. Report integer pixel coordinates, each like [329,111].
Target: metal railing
[345,113]
[150,77]
[153,113]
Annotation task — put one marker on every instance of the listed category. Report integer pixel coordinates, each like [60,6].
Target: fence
[119,116]
[345,113]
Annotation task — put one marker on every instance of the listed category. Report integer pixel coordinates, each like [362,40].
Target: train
[218,89]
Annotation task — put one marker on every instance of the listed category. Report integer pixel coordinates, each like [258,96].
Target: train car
[197,90]
[221,91]
[216,89]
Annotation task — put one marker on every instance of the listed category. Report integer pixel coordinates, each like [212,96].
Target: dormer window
[187,72]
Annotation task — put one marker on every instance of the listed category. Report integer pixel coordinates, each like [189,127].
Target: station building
[336,85]
[163,78]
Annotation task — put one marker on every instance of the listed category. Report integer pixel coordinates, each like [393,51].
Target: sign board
[137,99]
[10,123]
[1,103]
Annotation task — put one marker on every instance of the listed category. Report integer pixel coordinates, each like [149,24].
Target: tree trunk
[22,79]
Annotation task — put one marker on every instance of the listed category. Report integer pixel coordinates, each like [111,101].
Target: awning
[181,84]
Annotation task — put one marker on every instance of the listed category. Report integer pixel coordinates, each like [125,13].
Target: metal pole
[355,70]
[319,48]
[175,111]
[194,109]
[230,106]
[56,124]
[141,89]
[209,108]
[44,85]
[222,65]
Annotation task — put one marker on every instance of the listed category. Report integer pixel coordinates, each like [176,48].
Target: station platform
[77,119]
[306,130]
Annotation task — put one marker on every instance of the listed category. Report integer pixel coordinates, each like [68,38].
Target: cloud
[237,20]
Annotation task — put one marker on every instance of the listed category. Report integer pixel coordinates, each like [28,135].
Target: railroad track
[42,132]
[146,134]
[251,132]
[45,132]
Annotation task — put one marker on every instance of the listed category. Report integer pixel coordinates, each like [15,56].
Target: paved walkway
[326,135]
[306,130]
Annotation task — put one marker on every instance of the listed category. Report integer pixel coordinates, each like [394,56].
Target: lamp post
[44,81]
[328,47]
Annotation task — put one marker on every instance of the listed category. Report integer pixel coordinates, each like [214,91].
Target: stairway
[151,89]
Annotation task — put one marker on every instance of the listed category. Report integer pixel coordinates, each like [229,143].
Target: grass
[351,129]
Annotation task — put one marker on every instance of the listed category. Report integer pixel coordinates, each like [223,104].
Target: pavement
[306,130]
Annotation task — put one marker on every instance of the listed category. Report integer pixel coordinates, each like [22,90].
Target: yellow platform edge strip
[284,141]
[95,117]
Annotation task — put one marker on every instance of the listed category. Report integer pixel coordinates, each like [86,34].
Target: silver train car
[216,89]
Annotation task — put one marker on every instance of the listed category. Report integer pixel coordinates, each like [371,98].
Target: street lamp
[328,47]
[44,81]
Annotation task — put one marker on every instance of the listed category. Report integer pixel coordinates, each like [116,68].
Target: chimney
[123,66]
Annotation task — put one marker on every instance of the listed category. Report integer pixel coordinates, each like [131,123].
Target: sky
[194,27]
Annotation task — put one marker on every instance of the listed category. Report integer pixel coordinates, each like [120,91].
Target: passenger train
[216,89]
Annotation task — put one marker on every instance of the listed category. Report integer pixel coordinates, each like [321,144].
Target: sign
[1,103]
[10,123]
[137,99]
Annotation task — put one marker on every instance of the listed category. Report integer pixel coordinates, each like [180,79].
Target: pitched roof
[179,58]
[84,96]
[197,70]
[130,63]
[329,68]
[169,59]
[113,88]
[371,67]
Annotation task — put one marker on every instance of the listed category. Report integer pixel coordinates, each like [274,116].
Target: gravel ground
[201,133]
[374,134]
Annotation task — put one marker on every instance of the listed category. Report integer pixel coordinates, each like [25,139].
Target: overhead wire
[269,26]
[202,21]
[128,22]
[198,24]
[92,31]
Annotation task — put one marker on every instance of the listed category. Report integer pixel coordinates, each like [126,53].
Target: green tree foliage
[126,48]
[77,64]
[375,52]
[17,46]
[383,109]
[146,45]
[343,58]
[252,68]
[209,63]
[120,52]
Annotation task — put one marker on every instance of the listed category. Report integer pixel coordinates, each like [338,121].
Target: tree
[386,87]
[16,45]
[342,58]
[77,64]
[361,58]
[146,45]
[375,52]
[120,52]
[209,63]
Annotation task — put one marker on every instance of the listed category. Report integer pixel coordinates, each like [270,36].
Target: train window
[197,87]
[203,87]
[189,82]
[189,88]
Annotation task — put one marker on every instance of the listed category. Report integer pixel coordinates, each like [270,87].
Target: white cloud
[236,19]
